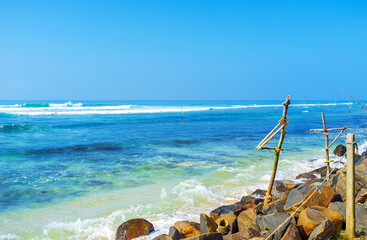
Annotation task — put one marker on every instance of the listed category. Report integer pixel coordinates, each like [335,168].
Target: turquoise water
[76,170]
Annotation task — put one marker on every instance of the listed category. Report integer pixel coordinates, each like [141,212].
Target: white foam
[69,108]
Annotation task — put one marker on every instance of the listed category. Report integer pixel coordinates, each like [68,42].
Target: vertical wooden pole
[326,144]
[350,188]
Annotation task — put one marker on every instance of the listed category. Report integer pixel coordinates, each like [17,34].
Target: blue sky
[182,49]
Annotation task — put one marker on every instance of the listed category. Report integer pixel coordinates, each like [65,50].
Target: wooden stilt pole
[350,188]
[277,150]
[326,144]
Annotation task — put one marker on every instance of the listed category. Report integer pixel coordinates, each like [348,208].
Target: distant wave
[14,128]
[69,108]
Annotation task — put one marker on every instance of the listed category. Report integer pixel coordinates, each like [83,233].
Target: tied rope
[317,188]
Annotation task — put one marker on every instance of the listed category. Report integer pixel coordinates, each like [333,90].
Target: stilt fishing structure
[280,127]
[355,100]
[327,145]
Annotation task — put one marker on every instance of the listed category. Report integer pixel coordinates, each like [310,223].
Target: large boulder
[245,234]
[325,230]
[247,219]
[133,228]
[181,224]
[313,216]
[275,206]
[190,231]
[174,233]
[225,209]
[268,223]
[340,150]
[254,198]
[285,185]
[338,181]
[207,224]
[163,237]
[361,196]
[291,233]
[360,214]
[207,236]
[298,196]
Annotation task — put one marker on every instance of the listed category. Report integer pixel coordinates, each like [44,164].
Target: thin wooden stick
[329,129]
[271,132]
[271,148]
[354,99]
[267,140]
[337,136]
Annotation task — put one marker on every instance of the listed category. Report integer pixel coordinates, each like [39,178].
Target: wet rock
[360,211]
[231,218]
[189,231]
[174,233]
[340,150]
[323,231]
[275,206]
[207,236]
[162,237]
[338,181]
[362,159]
[313,216]
[245,234]
[285,185]
[254,198]
[268,223]
[133,228]
[207,224]
[308,176]
[181,224]
[247,219]
[297,196]
[291,233]
[259,208]
[222,210]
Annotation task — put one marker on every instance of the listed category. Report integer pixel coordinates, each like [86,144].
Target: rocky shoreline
[321,217]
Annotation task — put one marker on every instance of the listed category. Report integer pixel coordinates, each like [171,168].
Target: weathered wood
[337,136]
[266,137]
[277,150]
[354,99]
[269,138]
[329,129]
[350,188]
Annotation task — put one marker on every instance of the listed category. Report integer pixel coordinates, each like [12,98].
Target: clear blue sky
[182,49]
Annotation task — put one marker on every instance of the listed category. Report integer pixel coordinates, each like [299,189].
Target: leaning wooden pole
[354,100]
[278,149]
[350,188]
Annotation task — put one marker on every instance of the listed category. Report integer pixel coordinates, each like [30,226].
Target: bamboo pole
[326,144]
[277,151]
[337,136]
[350,188]
[355,99]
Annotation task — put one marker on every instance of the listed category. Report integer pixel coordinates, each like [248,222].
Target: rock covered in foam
[133,228]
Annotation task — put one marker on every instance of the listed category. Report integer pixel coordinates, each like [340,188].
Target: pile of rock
[321,217]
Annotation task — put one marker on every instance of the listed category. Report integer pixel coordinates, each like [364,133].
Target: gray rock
[207,236]
[225,209]
[361,214]
[207,224]
[291,233]
[162,237]
[340,150]
[276,206]
[268,223]
[245,234]
[324,231]
[174,233]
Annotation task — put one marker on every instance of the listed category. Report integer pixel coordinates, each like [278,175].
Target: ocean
[78,169]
